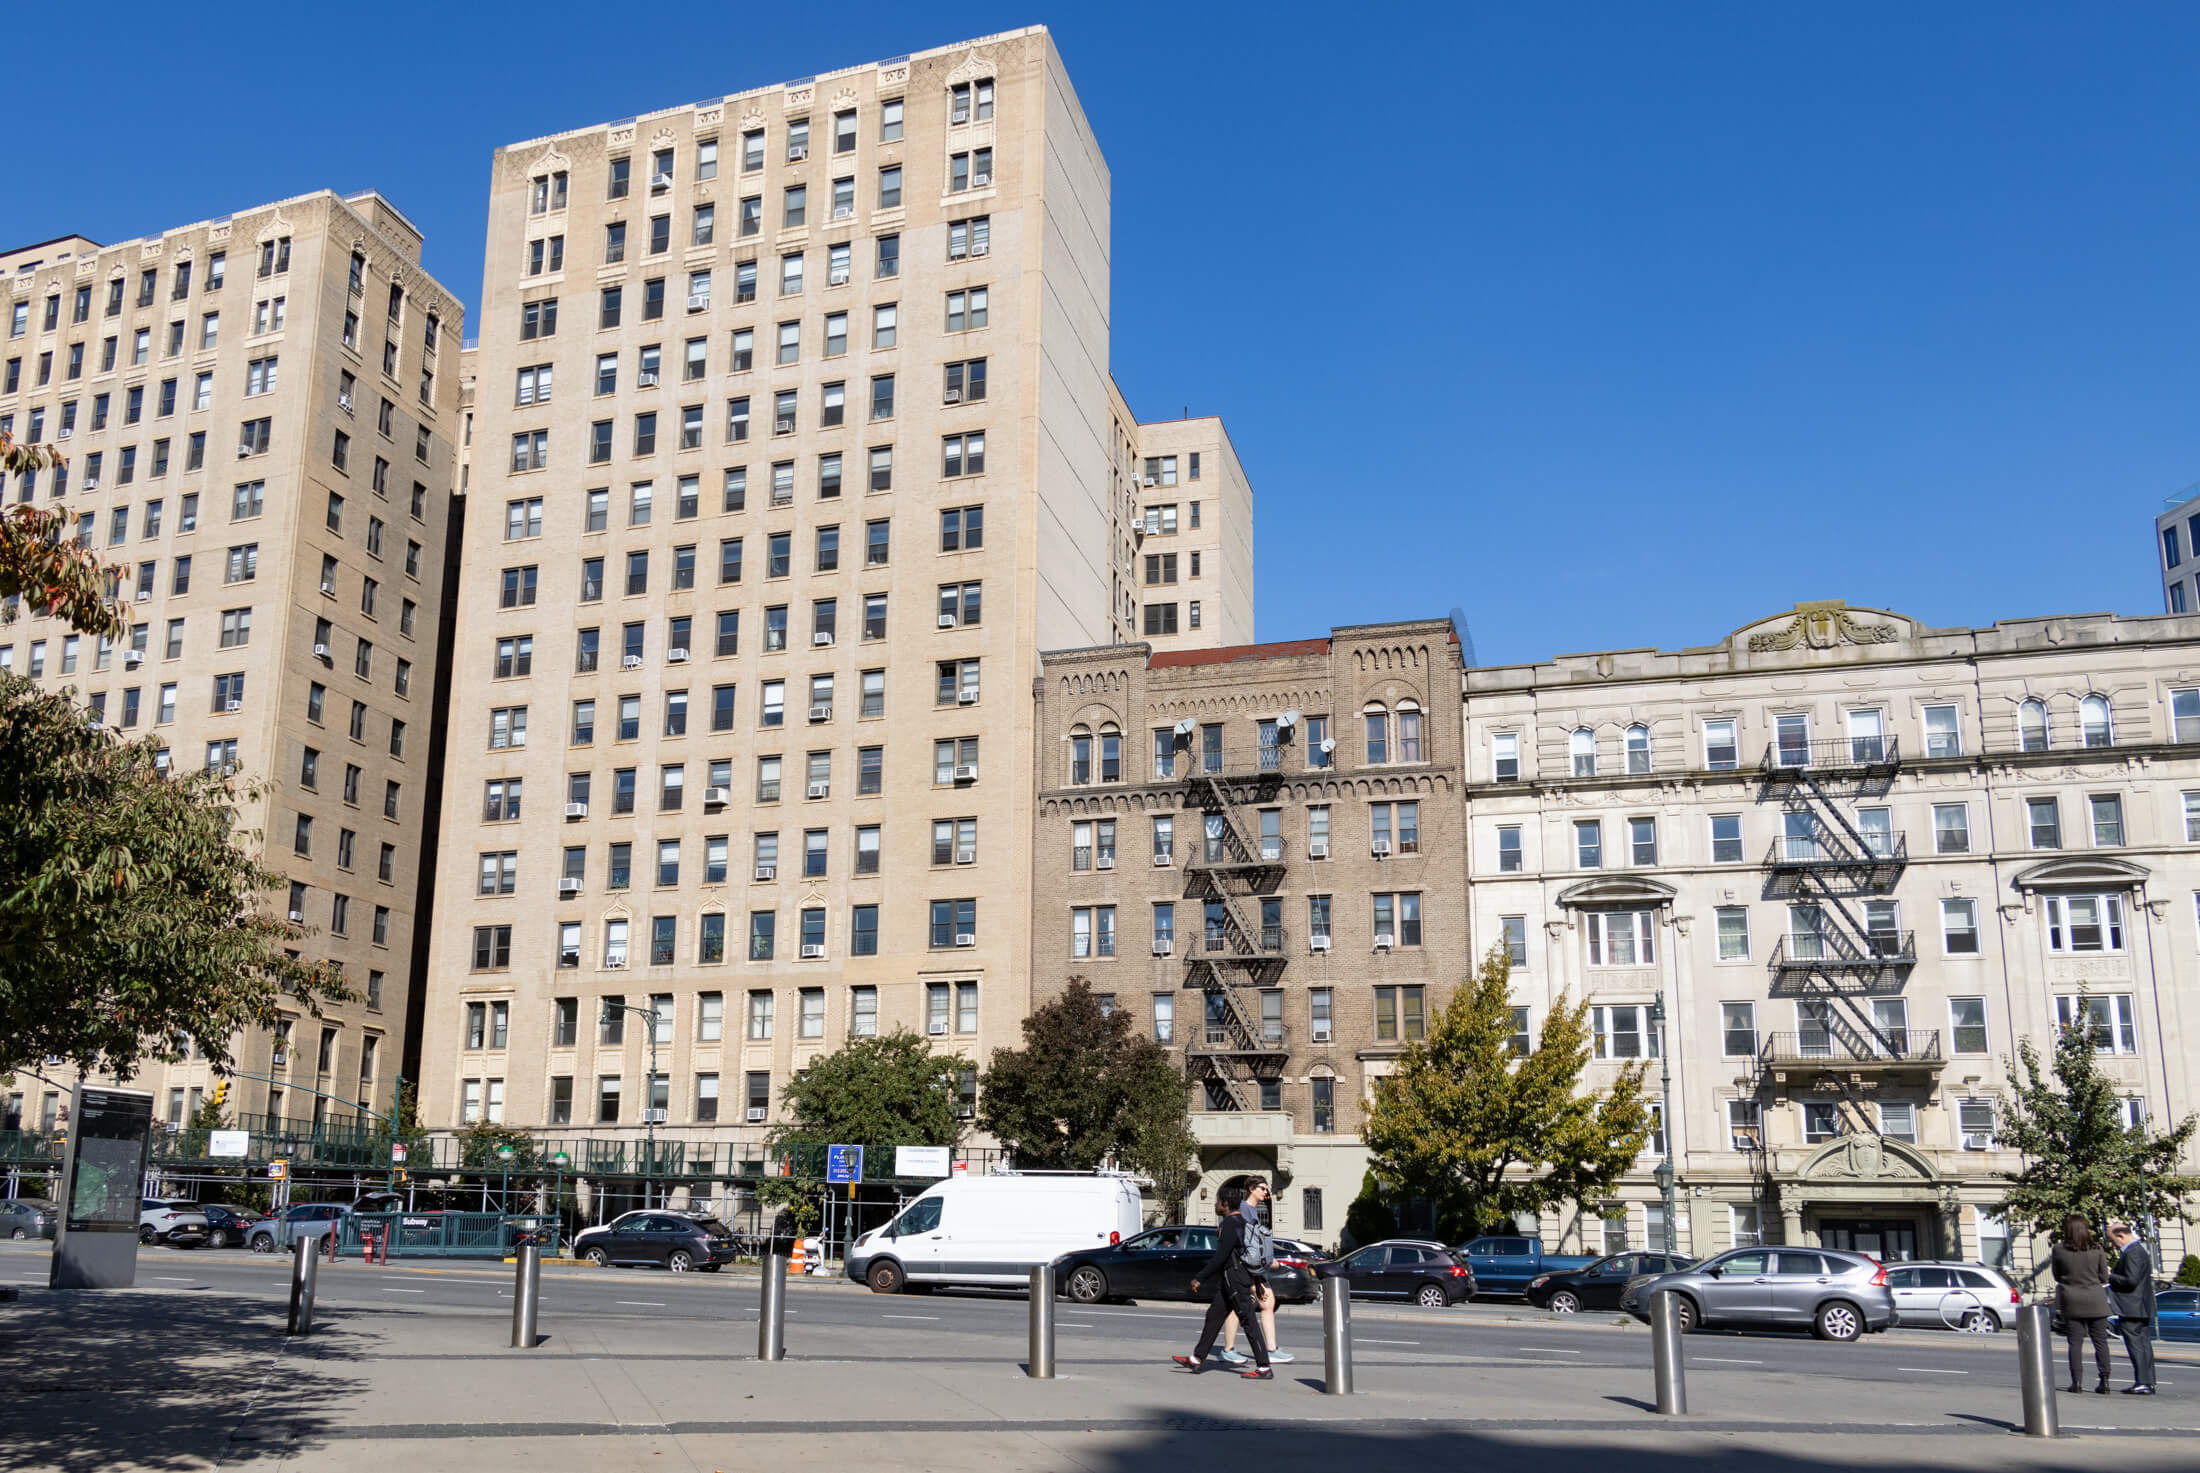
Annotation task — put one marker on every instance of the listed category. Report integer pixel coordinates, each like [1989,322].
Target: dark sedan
[660,1240]
[28,1217]
[1424,1273]
[226,1226]
[1598,1286]
[1159,1264]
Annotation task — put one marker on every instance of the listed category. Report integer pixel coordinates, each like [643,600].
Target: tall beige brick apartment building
[259,414]
[793,443]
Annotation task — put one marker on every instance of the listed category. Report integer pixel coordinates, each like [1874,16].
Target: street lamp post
[1665,1117]
[649,1110]
[504,1188]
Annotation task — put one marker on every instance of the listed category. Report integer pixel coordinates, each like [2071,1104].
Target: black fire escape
[1232,875]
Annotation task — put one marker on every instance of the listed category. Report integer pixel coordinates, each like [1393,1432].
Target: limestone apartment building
[794,443]
[1260,850]
[1858,858]
[258,417]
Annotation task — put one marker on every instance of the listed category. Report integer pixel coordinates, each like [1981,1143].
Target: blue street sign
[844,1163]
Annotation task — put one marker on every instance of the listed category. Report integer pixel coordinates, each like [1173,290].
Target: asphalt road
[977,1325]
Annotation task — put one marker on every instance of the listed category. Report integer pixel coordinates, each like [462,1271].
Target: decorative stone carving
[1822,625]
[974,65]
[549,161]
[1864,1157]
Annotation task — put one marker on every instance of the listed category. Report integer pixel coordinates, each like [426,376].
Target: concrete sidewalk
[179,1379]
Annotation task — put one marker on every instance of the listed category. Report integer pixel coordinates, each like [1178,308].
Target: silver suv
[1839,1296]
[1952,1296]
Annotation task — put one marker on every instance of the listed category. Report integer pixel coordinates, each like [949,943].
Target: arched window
[1111,754]
[1378,734]
[1080,756]
[2094,722]
[1584,746]
[1638,748]
[1409,732]
[2032,726]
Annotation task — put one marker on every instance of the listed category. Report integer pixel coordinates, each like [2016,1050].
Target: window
[492,948]
[1588,844]
[1621,938]
[2094,724]
[2080,923]
[2107,811]
[1951,828]
[1398,1014]
[966,310]
[1959,927]
[1943,733]
[2043,822]
[1515,932]
[1733,922]
[1642,841]
[1967,1024]
[2184,711]
[2107,1017]
[1738,1029]
[1505,756]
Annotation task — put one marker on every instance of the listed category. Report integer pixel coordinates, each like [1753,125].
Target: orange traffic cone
[794,1265]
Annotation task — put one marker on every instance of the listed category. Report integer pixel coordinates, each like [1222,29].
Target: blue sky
[1610,325]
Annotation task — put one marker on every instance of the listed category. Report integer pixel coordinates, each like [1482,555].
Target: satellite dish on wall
[1288,719]
[1186,727]
[1329,744]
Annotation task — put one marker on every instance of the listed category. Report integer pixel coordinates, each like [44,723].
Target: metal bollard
[1041,1365]
[771,1320]
[305,1274]
[1666,1364]
[1337,1337]
[526,1294]
[2036,1371]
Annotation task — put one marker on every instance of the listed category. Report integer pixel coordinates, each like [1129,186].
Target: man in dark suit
[2131,1287]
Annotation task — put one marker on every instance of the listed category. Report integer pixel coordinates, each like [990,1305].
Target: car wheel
[885,1278]
[679,1260]
[1839,1321]
[1430,1296]
[1684,1310]
[147,1236]
[1565,1301]
[1087,1285]
[598,1257]
[262,1243]
[218,1238]
[1980,1322]
[20,1233]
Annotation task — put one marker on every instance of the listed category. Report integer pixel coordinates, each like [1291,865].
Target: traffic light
[221,1093]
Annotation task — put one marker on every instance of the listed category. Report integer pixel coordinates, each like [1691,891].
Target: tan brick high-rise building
[258,417]
[1261,851]
[794,443]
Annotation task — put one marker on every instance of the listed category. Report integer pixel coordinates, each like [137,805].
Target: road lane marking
[404,1291]
[174,1279]
[908,1316]
[1371,1340]
[1547,1350]
[1725,1360]
[644,1303]
[1073,1325]
[1932,1371]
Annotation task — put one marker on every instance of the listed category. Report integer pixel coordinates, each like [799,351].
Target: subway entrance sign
[844,1164]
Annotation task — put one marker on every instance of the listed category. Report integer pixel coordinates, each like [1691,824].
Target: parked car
[1301,1250]
[1952,1296]
[582,1239]
[1599,1284]
[673,1240]
[28,1217]
[1505,1264]
[1159,1264]
[227,1226]
[2177,1314]
[179,1224]
[993,1230]
[298,1220]
[1423,1273]
[1838,1296]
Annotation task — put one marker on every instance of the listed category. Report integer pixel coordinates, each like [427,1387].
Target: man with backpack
[1243,1252]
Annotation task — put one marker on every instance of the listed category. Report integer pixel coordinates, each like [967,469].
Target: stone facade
[1857,858]
[1283,915]
[258,413]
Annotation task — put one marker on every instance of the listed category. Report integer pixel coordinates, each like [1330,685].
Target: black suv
[1423,1273]
[663,1239]
[1599,1285]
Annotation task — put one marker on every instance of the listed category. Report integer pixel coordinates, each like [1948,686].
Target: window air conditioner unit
[320,652]
[1321,1035]
[569,886]
[243,451]
[653,1117]
[144,595]
[952,396]
[714,797]
[1319,943]
[968,773]
[615,963]
[966,698]
[698,302]
[677,655]
[132,657]
[966,856]
[1163,860]
[1152,481]
[569,959]
[797,154]
[782,426]
[647,378]
[822,638]
[820,790]
[1977,1141]
[959,115]
[1382,941]
[756,1112]
[1317,848]
[836,278]
[234,706]
[1105,861]
[844,212]
[1380,848]
[821,713]
[297,917]
[576,810]
[813,951]
[660,181]
[980,181]
[966,938]
[631,662]
[767,872]
[1163,948]
[947,621]
[64,434]
[980,248]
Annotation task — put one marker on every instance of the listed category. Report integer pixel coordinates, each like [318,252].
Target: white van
[993,1230]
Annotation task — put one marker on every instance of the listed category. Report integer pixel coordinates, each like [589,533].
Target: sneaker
[1281,1357]
[1195,1367]
[1230,1357]
[1258,1373]
[2140,1391]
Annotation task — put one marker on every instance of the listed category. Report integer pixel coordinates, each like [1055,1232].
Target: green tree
[1085,1088]
[1483,1133]
[2078,1154]
[2188,1272]
[480,1143]
[131,922]
[888,1090]
[46,568]
[1370,1218]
